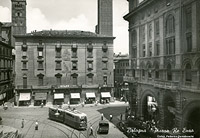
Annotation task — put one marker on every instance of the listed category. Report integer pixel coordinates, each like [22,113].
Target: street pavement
[51,129]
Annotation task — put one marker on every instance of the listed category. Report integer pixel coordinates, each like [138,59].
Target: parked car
[103,127]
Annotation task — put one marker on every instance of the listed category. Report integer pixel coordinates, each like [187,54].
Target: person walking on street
[91,130]
[22,123]
[101,116]
[111,117]
[36,125]
[121,116]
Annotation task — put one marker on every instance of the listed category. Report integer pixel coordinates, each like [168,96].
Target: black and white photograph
[99,68]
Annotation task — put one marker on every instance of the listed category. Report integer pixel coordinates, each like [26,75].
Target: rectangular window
[90,65]
[134,52]
[157,48]
[58,53]
[40,65]
[143,73]
[143,50]
[188,15]
[74,53]
[40,81]
[40,53]
[74,80]
[58,65]
[105,65]
[105,80]
[74,65]
[24,65]
[150,49]
[90,54]
[58,80]
[24,54]
[90,79]
[157,29]
[170,45]
[24,82]
[189,42]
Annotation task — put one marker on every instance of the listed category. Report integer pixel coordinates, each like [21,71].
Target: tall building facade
[105,17]
[121,67]
[6,63]
[164,45]
[62,67]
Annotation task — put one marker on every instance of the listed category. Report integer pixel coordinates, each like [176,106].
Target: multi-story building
[121,66]
[6,77]
[164,48]
[63,66]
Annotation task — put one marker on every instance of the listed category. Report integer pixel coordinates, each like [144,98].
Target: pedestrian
[22,123]
[121,116]
[91,130]
[111,117]
[42,105]
[101,116]
[36,125]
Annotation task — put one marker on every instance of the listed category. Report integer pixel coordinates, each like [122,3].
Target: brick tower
[19,16]
[105,18]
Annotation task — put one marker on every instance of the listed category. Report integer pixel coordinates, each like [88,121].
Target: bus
[73,118]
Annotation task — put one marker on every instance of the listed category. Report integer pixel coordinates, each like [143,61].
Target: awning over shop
[2,96]
[24,96]
[40,96]
[58,95]
[105,94]
[75,95]
[90,95]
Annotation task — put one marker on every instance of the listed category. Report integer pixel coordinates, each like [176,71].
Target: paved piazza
[51,129]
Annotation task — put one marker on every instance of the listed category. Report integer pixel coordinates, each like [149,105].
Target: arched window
[188,73]
[157,71]
[149,71]
[170,25]
[134,43]
[169,72]
[170,35]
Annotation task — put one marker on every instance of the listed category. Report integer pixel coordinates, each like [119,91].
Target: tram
[73,118]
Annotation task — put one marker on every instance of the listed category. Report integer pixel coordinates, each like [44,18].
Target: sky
[71,15]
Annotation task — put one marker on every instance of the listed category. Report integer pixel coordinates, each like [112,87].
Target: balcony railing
[166,84]
[24,86]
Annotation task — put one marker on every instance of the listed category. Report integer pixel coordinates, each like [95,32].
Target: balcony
[129,79]
[24,87]
[166,84]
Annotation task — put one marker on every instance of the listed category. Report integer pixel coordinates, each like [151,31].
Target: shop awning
[105,94]
[58,95]
[24,96]
[2,96]
[75,95]
[40,96]
[90,95]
